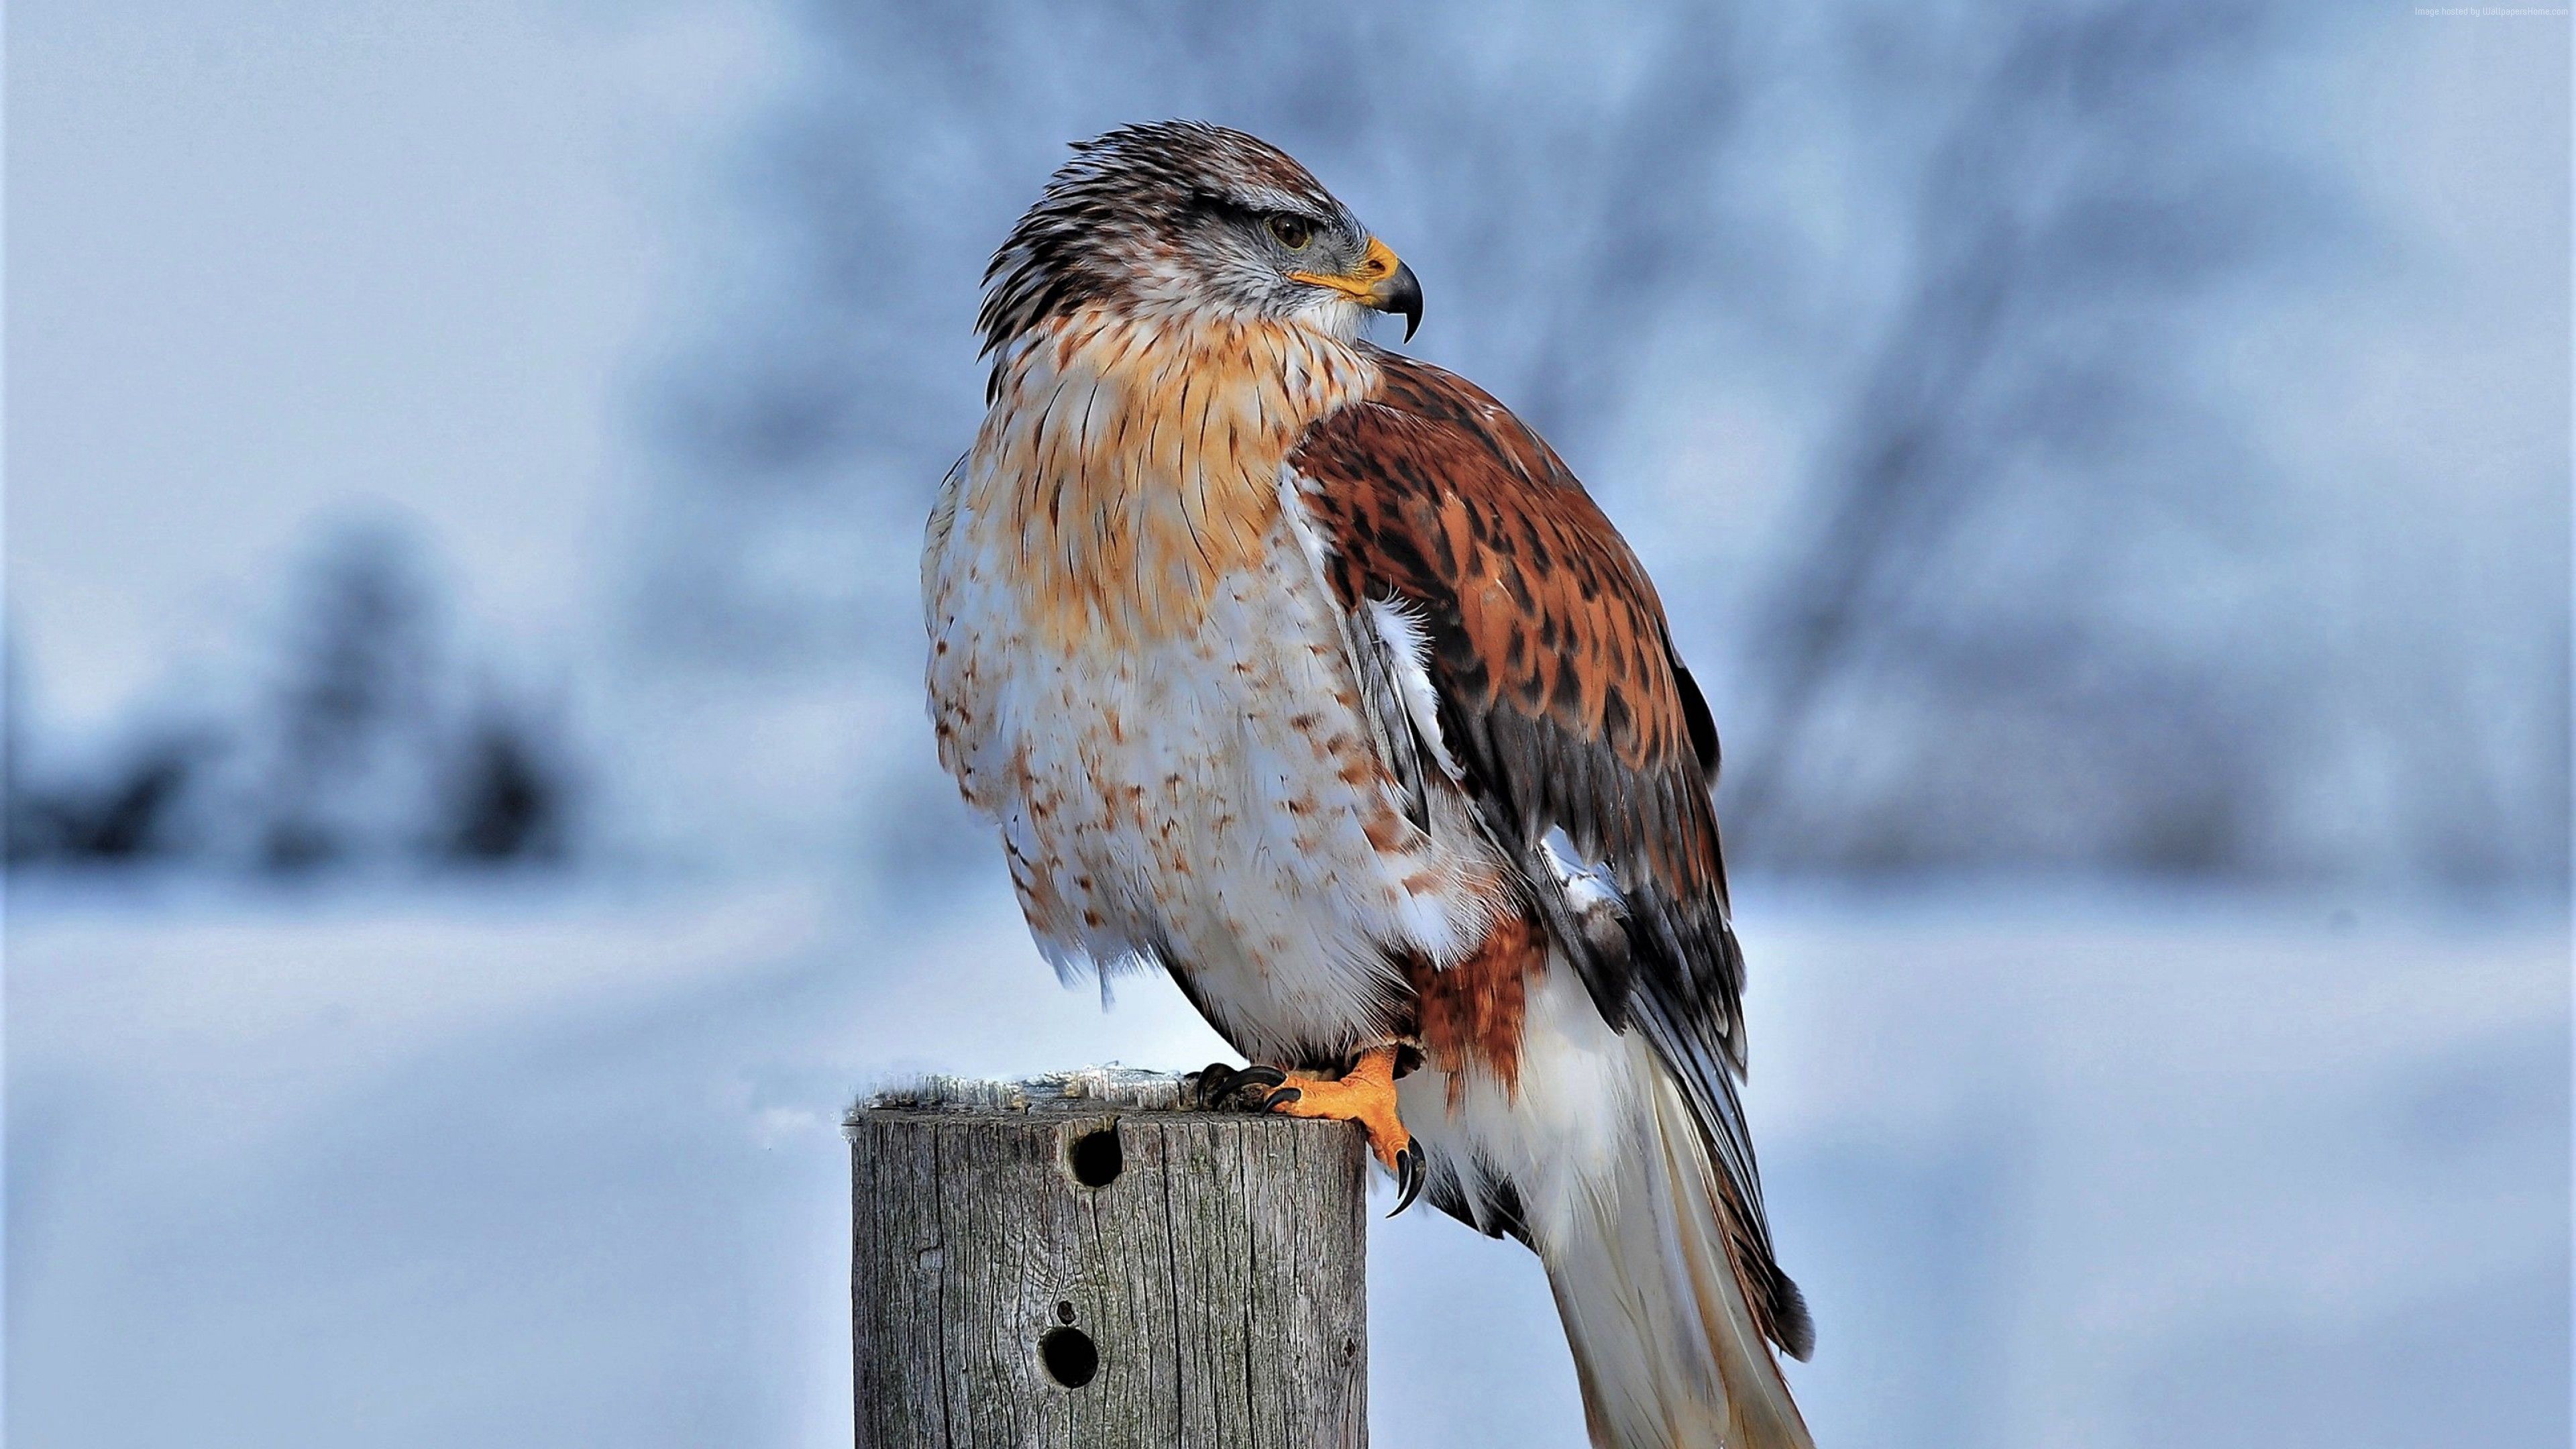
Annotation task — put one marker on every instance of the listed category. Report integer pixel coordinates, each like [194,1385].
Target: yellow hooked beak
[1380,281]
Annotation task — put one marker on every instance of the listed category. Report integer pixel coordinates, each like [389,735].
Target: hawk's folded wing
[1560,699]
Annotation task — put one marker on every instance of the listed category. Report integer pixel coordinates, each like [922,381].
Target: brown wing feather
[1561,698]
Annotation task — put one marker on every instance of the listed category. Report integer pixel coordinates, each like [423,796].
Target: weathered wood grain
[1219,1275]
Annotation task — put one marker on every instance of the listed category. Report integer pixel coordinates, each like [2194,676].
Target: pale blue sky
[274,260]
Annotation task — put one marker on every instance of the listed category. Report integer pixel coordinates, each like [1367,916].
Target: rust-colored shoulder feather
[1566,709]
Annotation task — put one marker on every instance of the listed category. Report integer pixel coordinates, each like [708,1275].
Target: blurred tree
[2058,600]
[355,756]
[129,815]
[1953,676]
[505,798]
[350,717]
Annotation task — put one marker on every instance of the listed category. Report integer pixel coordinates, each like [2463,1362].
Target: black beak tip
[1404,296]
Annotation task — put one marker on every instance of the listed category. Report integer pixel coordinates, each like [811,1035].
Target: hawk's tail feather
[1665,1342]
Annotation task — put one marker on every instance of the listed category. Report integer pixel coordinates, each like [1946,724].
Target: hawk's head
[1183,217]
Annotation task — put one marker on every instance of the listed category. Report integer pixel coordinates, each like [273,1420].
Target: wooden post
[1077,1262]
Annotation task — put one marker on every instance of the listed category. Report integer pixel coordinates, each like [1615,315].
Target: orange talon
[1366,1096]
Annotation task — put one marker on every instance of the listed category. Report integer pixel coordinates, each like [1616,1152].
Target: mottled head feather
[1173,214]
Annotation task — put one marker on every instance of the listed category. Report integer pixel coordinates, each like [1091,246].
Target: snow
[554,1166]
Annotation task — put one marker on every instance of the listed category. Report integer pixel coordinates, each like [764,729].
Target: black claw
[1410,1170]
[1210,1085]
[1281,1098]
[1218,1087]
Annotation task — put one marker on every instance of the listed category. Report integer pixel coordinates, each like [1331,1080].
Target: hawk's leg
[1365,1096]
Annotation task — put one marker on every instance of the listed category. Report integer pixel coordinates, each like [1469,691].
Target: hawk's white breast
[1139,672]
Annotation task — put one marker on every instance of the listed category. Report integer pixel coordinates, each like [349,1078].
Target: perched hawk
[1307,672]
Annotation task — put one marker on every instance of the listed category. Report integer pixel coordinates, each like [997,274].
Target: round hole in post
[1069,1355]
[1096,1157]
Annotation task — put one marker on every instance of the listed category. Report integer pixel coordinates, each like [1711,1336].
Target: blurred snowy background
[470,825]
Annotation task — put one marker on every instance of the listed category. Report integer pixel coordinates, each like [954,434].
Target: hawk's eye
[1293,231]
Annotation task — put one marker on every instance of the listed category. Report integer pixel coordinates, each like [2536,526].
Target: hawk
[1306,672]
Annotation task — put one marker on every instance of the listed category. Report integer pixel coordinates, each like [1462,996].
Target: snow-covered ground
[562,1167]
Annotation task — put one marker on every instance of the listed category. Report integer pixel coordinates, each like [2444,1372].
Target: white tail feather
[1665,1344]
